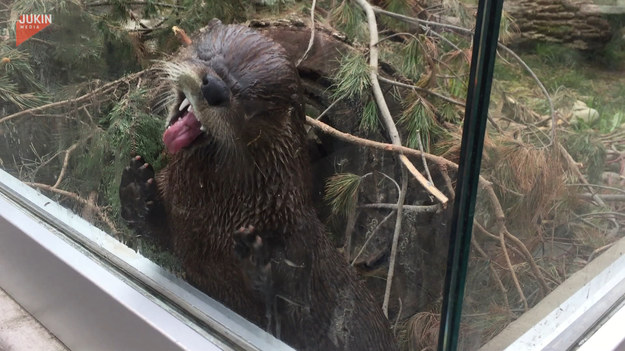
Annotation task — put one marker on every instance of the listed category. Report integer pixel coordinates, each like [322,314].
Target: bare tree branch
[312,33]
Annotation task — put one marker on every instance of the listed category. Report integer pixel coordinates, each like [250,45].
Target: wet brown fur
[258,175]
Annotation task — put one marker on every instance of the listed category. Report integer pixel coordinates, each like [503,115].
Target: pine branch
[468,32]
[442,164]
[135,3]
[101,90]
[387,119]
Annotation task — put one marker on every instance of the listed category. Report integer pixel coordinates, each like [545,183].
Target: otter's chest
[201,199]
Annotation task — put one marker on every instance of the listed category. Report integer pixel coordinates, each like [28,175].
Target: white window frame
[94,293]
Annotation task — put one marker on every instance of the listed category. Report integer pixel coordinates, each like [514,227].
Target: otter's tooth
[184,104]
[190,108]
[202,128]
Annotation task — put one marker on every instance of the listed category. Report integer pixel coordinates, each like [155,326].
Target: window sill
[574,313]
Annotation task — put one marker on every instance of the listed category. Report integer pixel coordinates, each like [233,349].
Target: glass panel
[550,200]
[89,92]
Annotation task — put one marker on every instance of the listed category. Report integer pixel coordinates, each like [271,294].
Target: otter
[234,202]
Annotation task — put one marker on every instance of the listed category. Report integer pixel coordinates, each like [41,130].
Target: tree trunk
[559,21]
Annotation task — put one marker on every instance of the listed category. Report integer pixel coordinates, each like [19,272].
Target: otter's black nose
[215,91]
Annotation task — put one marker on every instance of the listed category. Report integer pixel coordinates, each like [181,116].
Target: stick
[312,33]
[439,161]
[391,265]
[78,199]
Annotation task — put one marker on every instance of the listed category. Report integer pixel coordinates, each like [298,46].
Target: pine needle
[418,119]
[352,78]
[349,19]
[341,192]
[370,123]
[412,64]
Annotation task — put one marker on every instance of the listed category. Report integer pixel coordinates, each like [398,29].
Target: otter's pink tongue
[182,132]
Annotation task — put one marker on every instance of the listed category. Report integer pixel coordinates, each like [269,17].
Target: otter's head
[230,86]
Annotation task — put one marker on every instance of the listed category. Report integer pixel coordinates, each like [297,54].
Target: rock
[582,112]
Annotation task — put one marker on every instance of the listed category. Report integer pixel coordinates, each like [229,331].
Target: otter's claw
[137,191]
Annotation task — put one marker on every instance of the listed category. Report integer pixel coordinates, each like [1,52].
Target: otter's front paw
[249,245]
[137,192]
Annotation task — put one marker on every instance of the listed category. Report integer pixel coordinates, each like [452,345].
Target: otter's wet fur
[250,169]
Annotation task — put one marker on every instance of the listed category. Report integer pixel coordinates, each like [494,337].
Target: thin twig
[605,197]
[599,250]
[422,90]
[391,265]
[328,108]
[530,260]
[410,208]
[598,186]
[423,181]
[425,164]
[502,288]
[504,249]
[373,232]
[552,112]
[68,152]
[78,199]
[312,33]
[573,167]
[398,315]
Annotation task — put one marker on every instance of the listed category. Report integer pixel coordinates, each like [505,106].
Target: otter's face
[227,85]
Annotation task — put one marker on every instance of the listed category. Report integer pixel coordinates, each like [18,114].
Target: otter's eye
[215,91]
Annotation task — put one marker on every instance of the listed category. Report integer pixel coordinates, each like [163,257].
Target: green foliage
[370,122]
[341,192]
[397,6]
[10,93]
[557,55]
[18,84]
[584,147]
[610,124]
[412,64]
[350,19]
[449,112]
[18,69]
[196,14]
[456,87]
[124,131]
[613,54]
[43,6]
[419,122]
[352,78]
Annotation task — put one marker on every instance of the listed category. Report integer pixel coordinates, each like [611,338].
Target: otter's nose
[215,91]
